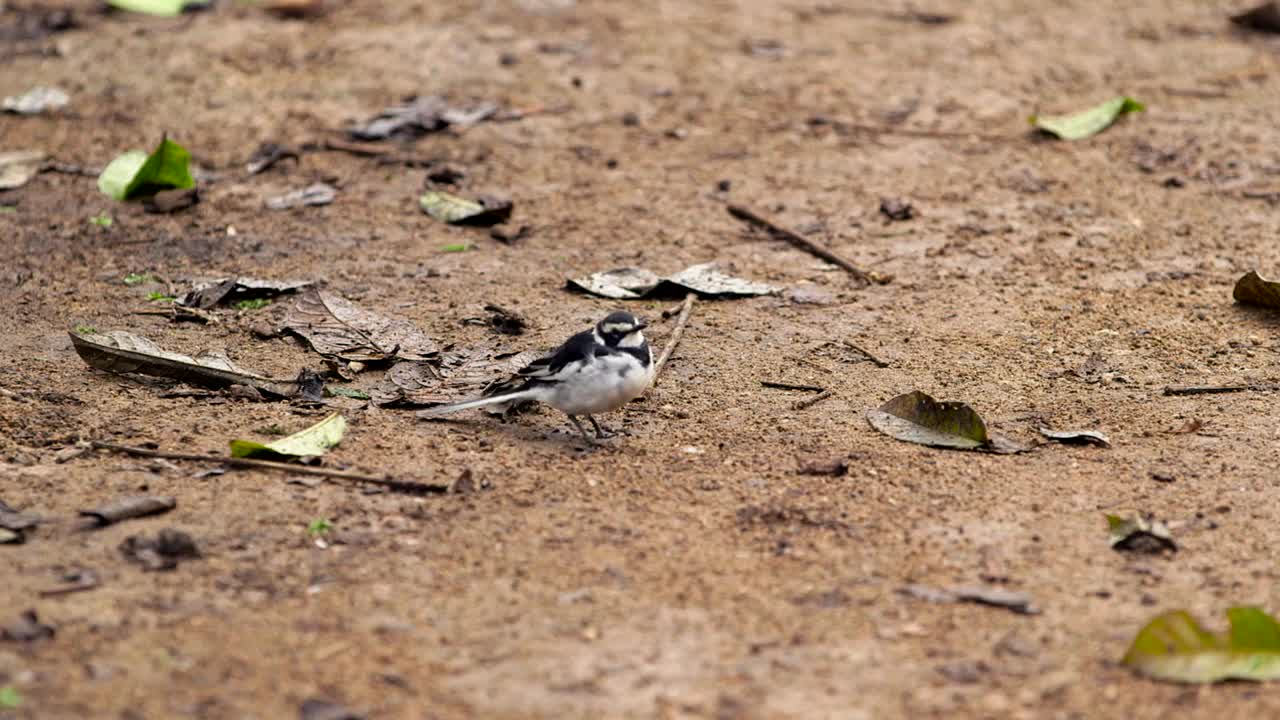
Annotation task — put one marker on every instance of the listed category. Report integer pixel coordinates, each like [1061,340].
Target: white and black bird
[595,371]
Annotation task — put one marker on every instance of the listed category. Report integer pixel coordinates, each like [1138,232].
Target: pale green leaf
[135,174]
[1087,123]
[1175,647]
[163,8]
[460,211]
[315,440]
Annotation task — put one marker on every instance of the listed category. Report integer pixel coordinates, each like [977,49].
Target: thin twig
[878,362]
[685,308]
[811,401]
[753,218]
[1214,389]
[396,485]
[789,386]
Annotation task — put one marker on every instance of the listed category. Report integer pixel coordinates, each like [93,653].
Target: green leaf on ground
[136,174]
[1140,534]
[1087,123]
[157,296]
[916,417]
[1175,647]
[1253,289]
[252,303]
[137,279]
[10,698]
[102,219]
[315,440]
[163,8]
[455,247]
[347,392]
[319,526]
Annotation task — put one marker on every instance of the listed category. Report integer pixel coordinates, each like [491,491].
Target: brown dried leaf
[335,327]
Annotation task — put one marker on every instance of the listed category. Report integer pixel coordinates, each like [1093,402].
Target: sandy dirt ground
[688,569]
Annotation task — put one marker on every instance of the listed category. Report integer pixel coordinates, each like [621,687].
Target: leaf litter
[1077,437]
[17,167]
[484,211]
[334,326]
[127,508]
[459,374]
[1140,534]
[635,283]
[1174,647]
[1253,289]
[917,418]
[36,100]
[417,116]
[311,442]
[124,352]
[311,195]
[205,294]
[162,552]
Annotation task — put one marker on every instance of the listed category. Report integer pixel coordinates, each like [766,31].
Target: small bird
[595,371]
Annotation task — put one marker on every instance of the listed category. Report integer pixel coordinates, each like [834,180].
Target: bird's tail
[510,397]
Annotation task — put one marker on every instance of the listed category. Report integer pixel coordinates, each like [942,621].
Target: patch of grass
[102,219]
[138,278]
[86,330]
[319,526]
[456,247]
[254,304]
[157,296]
[10,698]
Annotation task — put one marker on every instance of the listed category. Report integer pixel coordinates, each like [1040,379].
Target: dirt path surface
[688,569]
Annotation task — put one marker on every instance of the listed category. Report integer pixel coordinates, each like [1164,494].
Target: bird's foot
[602,433]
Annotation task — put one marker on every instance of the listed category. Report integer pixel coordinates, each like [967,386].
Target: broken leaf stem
[396,485]
[751,217]
[685,309]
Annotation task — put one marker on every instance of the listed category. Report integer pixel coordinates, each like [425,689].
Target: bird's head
[620,329]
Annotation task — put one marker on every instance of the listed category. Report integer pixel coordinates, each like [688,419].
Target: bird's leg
[578,425]
[601,433]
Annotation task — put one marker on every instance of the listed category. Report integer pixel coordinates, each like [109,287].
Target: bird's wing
[546,370]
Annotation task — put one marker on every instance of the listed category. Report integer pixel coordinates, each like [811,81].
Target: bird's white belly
[602,386]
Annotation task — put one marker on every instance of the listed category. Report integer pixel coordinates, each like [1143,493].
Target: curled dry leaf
[1017,602]
[36,100]
[18,167]
[1140,534]
[916,417]
[315,194]
[421,115]
[127,508]
[1253,289]
[311,442]
[1174,647]
[335,327]
[483,211]
[1264,17]
[634,283]
[1077,437]
[205,294]
[124,352]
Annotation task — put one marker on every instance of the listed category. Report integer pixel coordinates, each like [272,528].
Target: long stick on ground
[397,485]
[685,308]
[751,217]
